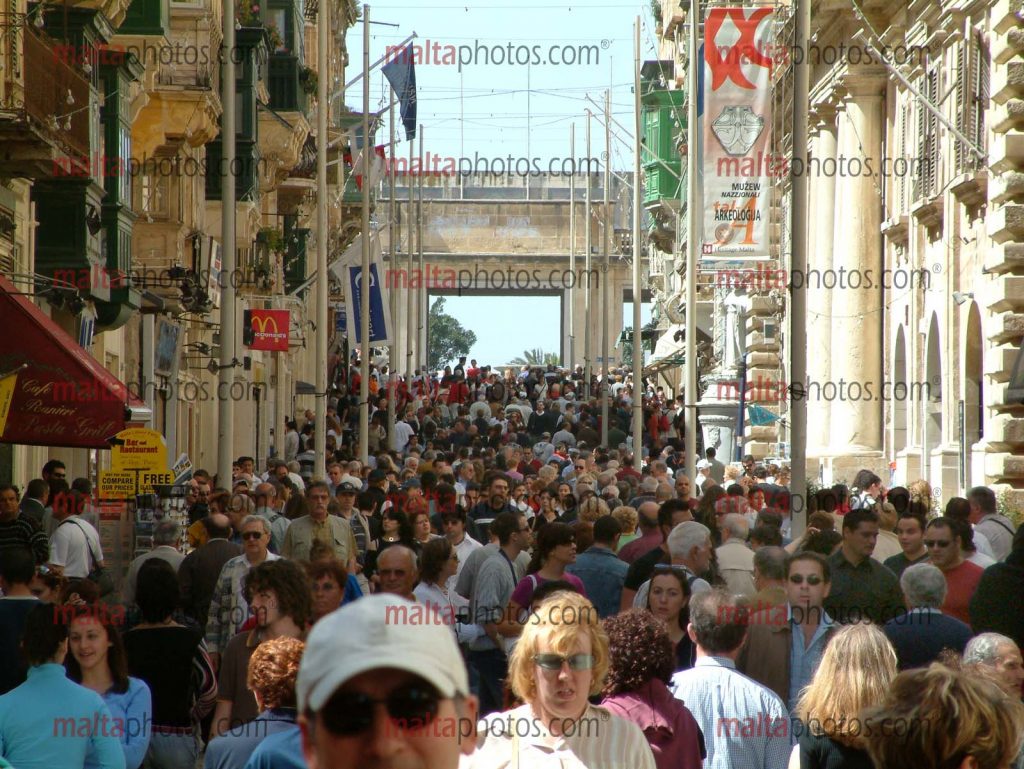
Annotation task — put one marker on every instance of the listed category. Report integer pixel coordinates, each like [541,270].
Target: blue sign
[378,317]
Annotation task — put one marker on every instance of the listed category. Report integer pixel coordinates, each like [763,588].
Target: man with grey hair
[166,537]
[735,559]
[229,608]
[924,632]
[769,578]
[689,547]
[997,528]
[1000,653]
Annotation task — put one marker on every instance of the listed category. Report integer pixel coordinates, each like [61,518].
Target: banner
[351,269]
[266,330]
[401,74]
[739,172]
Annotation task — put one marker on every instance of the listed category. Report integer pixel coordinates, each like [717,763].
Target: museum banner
[739,172]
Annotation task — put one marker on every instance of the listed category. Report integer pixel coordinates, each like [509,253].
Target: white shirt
[70,547]
[402,434]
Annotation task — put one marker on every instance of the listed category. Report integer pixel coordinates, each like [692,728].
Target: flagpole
[371,67]
[421,292]
[638,353]
[393,347]
[410,301]
[226,367]
[572,246]
[323,229]
[364,276]
[693,238]
[588,351]
[603,391]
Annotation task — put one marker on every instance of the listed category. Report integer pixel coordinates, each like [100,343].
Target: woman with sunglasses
[559,663]
[668,600]
[396,529]
[97,661]
[555,549]
[641,663]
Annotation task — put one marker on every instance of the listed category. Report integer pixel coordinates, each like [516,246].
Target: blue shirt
[132,714]
[279,751]
[602,573]
[234,747]
[352,590]
[50,721]
[745,725]
[804,661]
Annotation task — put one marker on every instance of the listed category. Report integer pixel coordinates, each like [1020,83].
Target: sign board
[740,172]
[116,485]
[267,330]
[182,470]
[6,397]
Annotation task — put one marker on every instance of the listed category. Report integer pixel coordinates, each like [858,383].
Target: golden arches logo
[260,323]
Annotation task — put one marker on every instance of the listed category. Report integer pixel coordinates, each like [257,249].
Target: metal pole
[225,374]
[421,293]
[603,391]
[692,248]
[393,347]
[410,301]
[572,248]
[798,266]
[638,353]
[588,337]
[364,276]
[322,232]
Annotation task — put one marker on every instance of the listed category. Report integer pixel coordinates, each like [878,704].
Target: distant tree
[536,357]
[447,340]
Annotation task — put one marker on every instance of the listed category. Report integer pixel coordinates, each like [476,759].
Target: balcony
[286,84]
[663,126]
[146,17]
[246,170]
[46,126]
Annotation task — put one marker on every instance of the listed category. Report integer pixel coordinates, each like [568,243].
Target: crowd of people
[498,588]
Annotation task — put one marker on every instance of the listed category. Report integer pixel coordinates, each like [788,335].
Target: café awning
[61,395]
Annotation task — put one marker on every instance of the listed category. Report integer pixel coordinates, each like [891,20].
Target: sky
[486,109]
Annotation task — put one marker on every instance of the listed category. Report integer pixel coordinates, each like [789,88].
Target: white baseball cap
[379,631]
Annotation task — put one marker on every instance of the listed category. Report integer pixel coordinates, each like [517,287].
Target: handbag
[100,575]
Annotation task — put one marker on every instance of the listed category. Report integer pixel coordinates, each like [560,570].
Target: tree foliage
[536,357]
[447,340]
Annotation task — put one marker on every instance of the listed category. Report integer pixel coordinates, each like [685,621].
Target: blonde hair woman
[591,509]
[560,661]
[856,671]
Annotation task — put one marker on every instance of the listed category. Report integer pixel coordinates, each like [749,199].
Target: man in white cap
[381,685]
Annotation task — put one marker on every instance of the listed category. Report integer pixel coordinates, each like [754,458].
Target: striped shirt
[597,740]
[228,608]
[745,725]
[22,533]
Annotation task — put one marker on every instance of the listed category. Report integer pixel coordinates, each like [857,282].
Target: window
[972,93]
[925,182]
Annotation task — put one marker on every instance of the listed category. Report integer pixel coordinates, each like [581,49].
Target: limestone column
[856,345]
[821,223]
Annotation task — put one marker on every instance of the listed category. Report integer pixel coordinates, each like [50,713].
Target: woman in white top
[560,661]
[438,563]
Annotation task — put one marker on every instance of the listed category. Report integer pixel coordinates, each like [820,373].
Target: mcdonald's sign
[266,330]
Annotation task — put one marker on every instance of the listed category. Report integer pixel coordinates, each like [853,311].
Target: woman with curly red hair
[641,663]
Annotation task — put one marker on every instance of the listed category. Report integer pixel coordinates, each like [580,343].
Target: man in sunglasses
[378,689]
[944,543]
[786,642]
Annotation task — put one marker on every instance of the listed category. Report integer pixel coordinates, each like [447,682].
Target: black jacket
[996,606]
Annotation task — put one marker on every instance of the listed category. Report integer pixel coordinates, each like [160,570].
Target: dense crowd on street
[500,586]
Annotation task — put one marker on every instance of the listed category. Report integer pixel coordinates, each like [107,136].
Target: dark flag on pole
[401,73]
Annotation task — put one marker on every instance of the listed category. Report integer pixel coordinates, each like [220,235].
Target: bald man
[198,573]
[398,571]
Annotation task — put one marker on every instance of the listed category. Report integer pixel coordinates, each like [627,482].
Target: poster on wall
[739,171]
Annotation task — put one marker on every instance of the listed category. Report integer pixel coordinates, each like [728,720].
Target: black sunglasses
[937,543]
[410,707]
[812,579]
[252,535]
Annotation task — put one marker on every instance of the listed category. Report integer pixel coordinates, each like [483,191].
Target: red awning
[62,396]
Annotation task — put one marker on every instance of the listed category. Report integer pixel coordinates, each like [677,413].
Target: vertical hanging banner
[349,269]
[739,170]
